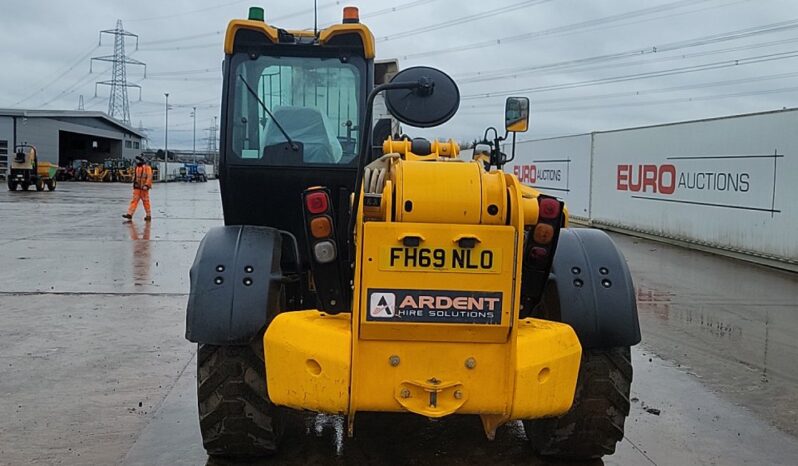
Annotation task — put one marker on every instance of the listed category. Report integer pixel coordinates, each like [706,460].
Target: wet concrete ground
[94,368]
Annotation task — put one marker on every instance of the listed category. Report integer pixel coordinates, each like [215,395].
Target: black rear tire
[51,184]
[595,422]
[237,419]
[12,185]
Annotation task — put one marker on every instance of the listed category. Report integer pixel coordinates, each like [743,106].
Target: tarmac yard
[94,368]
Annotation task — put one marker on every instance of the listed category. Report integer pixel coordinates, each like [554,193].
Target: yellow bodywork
[46,170]
[98,172]
[309,362]
[125,175]
[453,342]
[325,35]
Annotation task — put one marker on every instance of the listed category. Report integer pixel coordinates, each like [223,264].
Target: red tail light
[549,208]
[317,202]
[537,253]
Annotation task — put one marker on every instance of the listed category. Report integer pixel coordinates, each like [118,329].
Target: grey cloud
[41,39]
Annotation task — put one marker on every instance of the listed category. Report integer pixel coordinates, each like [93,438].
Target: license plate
[422,259]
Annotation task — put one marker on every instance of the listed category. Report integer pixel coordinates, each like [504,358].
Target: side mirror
[432,101]
[516,114]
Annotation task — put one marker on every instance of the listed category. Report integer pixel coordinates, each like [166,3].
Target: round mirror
[433,102]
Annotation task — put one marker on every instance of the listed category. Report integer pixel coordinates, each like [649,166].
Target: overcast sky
[585,65]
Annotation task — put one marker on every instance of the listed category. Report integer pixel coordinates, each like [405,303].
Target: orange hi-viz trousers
[144,196]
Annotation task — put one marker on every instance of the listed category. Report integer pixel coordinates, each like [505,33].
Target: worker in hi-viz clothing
[142,184]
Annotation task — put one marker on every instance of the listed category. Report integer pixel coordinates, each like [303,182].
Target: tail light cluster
[539,248]
[323,250]
[320,225]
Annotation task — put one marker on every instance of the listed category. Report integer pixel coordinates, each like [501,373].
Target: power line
[646,75]
[731,35]
[559,30]
[675,100]
[58,77]
[146,45]
[84,79]
[185,72]
[656,49]
[465,19]
[184,13]
[222,31]
[647,61]
[611,95]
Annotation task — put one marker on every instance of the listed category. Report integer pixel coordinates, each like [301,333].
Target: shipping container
[559,167]
[727,183]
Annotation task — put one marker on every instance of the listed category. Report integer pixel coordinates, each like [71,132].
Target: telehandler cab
[360,273]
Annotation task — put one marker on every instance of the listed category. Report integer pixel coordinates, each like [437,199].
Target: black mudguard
[590,288]
[235,284]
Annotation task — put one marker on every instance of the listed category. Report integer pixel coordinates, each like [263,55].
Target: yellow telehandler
[357,272]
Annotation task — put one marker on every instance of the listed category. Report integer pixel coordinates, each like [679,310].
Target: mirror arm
[365,148]
[512,157]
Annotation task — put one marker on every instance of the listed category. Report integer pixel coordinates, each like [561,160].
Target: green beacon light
[256,13]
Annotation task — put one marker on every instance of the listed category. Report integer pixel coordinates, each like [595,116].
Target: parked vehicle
[193,172]
[26,170]
[78,170]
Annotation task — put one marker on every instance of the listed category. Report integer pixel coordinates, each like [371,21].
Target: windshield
[314,100]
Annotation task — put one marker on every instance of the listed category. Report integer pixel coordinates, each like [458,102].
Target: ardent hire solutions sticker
[435,306]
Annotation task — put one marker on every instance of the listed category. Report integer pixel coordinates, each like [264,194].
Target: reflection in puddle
[140,241]
[336,423]
[660,304]
[656,301]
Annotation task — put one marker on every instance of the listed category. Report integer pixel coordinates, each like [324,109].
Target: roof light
[321,227]
[351,14]
[256,13]
[316,202]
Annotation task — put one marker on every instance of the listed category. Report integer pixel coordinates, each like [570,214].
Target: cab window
[316,101]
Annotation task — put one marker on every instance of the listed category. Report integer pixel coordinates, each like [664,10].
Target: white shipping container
[174,170]
[558,167]
[728,183]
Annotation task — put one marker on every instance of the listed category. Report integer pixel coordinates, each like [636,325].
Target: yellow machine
[99,172]
[27,170]
[435,327]
[122,170]
[400,278]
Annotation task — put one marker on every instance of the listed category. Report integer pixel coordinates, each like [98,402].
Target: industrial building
[61,136]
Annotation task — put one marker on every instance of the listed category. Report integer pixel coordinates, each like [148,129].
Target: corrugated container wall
[729,183]
[726,184]
[559,167]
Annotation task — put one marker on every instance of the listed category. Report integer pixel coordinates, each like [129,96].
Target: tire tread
[236,417]
[595,423]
